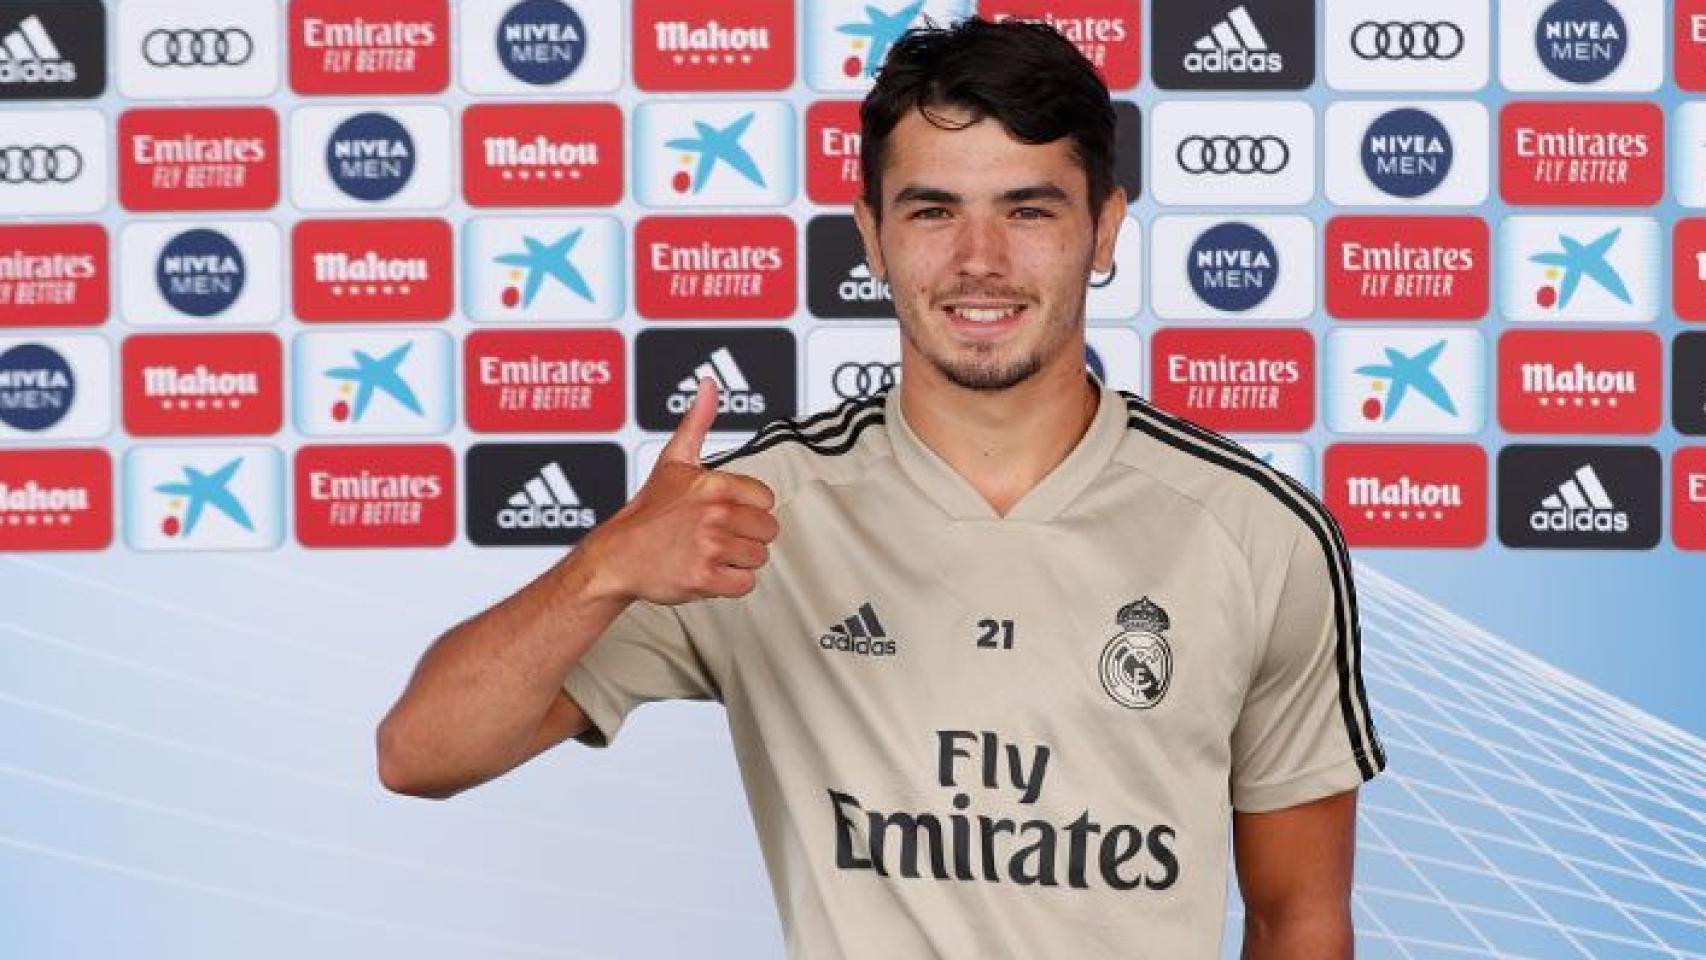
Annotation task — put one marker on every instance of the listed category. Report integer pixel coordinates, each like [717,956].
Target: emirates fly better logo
[369,46]
[53,275]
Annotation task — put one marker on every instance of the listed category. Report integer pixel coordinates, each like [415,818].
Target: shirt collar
[1057,489]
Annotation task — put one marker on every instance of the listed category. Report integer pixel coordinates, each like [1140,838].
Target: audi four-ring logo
[1242,154]
[1407,40]
[38,163]
[209,47]
[854,380]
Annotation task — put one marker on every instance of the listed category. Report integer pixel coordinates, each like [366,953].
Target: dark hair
[1027,76]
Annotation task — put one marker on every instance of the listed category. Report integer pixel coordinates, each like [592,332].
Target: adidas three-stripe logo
[547,501]
[1582,504]
[720,367]
[29,55]
[1233,45]
[861,632]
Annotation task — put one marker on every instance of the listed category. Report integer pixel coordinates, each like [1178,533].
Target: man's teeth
[985,314]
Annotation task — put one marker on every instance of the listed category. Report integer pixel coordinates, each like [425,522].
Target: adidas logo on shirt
[734,391]
[546,502]
[1234,45]
[1581,504]
[860,633]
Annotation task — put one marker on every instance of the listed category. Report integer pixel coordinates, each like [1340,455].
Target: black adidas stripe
[1207,445]
[855,416]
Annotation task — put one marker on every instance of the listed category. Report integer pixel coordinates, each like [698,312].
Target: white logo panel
[204,498]
[1115,354]
[1423,45]
[419,175]
[850,363]
[1462,180]
[1619,46]
[226,273]
[53,161]
[1406,381]
[176,50]
[1188,264]
[372,383]
[1233,153]
[1572,269]
[546,268]
[714,153]
[845,41]
[542,46]
[55,388]
[1119,296]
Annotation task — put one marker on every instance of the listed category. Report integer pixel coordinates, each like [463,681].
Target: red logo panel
[1690,36]
[1105,30]
[1582,154]
[56,499]
[715,268]
[1606,381]
[367,46]
[53,275]
[203,384]
[681,45]
[832,152]
[542,155]
[1408,495]
[1407,268]
[223,158]
[372,269]
[1688,268]
[538,381]
[390,495]
[1688,494]
[1236,379]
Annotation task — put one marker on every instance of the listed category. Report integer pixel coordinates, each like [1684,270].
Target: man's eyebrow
[917,194]
[1041,191]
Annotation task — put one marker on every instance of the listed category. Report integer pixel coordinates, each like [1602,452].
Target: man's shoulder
[1262,506]
[788,454]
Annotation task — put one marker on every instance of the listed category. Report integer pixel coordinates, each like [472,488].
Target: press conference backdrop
[323,325]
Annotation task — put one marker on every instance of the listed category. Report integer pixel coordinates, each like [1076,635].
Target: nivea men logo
[37,387]
[839,283]
[1587,497]
[755,371]
[541,42]
[1406,152]
[52,51]
[1581,41]
[200,272]
[542,494]
[370,157]
[1248,45]
[1233,266]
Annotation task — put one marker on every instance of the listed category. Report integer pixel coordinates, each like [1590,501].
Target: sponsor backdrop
[323,324]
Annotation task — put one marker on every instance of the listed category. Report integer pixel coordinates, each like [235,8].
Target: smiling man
[1010,659]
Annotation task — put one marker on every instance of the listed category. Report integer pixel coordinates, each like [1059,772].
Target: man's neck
[1003,442]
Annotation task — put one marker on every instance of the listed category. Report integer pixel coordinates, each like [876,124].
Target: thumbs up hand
[689,532]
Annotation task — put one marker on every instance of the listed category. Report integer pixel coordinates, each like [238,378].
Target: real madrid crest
[1137,663]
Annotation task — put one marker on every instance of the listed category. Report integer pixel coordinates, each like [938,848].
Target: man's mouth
[984,315]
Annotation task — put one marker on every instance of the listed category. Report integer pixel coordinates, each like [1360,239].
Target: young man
[1007,655]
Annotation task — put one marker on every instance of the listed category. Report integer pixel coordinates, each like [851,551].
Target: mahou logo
[1688,268]
[681,45]
[56,499]
[1105,31]
[1425,268]
[1408,495]
[219,384]
[832,152]
[542,155]
[53,275]
[1581,154]
[1603,381]
[545,381]
[223,158]
[369,46]
[370,270]
[401,495]
[1236,379]
[715,267]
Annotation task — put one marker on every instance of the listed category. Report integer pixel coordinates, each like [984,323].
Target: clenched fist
[689,532]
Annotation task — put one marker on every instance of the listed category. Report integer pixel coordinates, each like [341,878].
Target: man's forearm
[476,700]
[1301,937]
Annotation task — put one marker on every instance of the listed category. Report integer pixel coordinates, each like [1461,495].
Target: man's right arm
[488,695]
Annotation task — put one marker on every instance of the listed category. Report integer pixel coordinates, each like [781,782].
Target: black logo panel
[1241,45]
[756,371]
[839,284]
[1688,382]
[542,494]
[1580,497]
[1128,148]
[53,51]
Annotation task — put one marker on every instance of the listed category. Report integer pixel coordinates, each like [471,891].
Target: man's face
[987,244]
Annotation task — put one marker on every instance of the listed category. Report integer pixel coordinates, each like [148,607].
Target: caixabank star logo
[203,498]
[703,153]
[846,40]
[1580,269]
[543,268]
[372,383]
[54,275]
[1406,381]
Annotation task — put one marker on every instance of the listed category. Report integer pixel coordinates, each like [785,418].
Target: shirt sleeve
[646,654]
[1305,731]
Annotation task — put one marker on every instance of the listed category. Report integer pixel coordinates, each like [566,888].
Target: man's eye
[1031,213]
[929,213]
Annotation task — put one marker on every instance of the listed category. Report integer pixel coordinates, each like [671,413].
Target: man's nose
[980,247]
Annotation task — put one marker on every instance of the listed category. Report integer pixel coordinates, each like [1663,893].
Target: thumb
[689,437]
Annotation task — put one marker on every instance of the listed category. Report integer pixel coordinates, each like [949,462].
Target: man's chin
[988,375]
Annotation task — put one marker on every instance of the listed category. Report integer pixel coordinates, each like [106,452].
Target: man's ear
[1108,222]
[867,223]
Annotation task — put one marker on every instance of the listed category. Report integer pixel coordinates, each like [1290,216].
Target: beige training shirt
[968,735]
